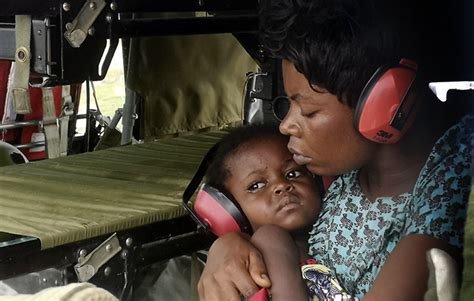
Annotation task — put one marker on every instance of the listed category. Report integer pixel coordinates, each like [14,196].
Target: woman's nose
[282,187]
[288,125]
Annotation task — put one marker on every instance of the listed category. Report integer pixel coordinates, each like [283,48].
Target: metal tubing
[30,145]
[201,25]
[88,113]
[19,124]
[27,7]
[116,118]
[184,5]
[53,7]
[128,118]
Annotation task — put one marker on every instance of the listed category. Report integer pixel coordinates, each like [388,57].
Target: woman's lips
[301,160]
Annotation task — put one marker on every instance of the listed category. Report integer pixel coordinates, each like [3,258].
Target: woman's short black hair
[217,173]
[338,44]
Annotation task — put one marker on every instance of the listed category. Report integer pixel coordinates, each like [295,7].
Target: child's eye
[293,174]
[255,186]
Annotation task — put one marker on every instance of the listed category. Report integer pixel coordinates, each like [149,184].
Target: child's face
[271,188]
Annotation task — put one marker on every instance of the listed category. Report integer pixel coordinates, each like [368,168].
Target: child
[281,200]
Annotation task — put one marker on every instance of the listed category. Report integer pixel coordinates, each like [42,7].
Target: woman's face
[270,187]
[322,136]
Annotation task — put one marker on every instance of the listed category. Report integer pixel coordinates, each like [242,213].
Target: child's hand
[234,267]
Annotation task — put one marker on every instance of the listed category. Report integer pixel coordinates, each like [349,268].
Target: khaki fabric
[188,82]
[70,292]
[82,196]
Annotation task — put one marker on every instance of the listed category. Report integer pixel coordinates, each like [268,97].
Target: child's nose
[282,187]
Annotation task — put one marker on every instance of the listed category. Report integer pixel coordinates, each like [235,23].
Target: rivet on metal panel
[124,254]
[66,6]
[108,248]
[107,271]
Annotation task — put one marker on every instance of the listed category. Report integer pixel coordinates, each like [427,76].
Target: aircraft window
[109,93]
[441,88]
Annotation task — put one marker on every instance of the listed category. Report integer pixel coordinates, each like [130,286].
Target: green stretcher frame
[52,209]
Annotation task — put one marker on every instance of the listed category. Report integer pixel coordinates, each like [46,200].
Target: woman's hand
[234,267]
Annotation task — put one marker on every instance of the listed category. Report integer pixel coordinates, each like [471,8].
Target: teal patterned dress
[354,236]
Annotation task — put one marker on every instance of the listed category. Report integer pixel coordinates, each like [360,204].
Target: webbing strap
[50,127]
[64,119]
[21,96]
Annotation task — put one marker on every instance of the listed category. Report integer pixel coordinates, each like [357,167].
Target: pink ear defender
[385,111]
[214,210]
[220,212]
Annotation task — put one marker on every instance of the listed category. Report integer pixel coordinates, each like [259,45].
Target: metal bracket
[88,266]
[77,31]
[256,85]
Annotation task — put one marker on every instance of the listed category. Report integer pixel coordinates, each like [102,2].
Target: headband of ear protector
[385,109]
[214,209]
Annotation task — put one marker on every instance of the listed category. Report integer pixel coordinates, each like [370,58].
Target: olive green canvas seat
[78,197]
[55,208]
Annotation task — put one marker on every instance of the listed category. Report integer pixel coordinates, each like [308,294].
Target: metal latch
[88,266]
[76,32]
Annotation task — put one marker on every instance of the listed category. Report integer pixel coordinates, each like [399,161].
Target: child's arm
[282,259]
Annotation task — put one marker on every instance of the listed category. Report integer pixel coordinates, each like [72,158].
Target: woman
[397,197]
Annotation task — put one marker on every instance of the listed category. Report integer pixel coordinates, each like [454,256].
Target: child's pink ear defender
[217,211]
[214,209]
[261,295]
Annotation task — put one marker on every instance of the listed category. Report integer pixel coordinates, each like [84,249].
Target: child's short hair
[217,173]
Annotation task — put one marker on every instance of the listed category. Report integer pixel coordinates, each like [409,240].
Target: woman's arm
[404,275]
[282,259]
[438,208]
[234,267]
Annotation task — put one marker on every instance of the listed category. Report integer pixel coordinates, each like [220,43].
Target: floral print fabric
[354,236]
